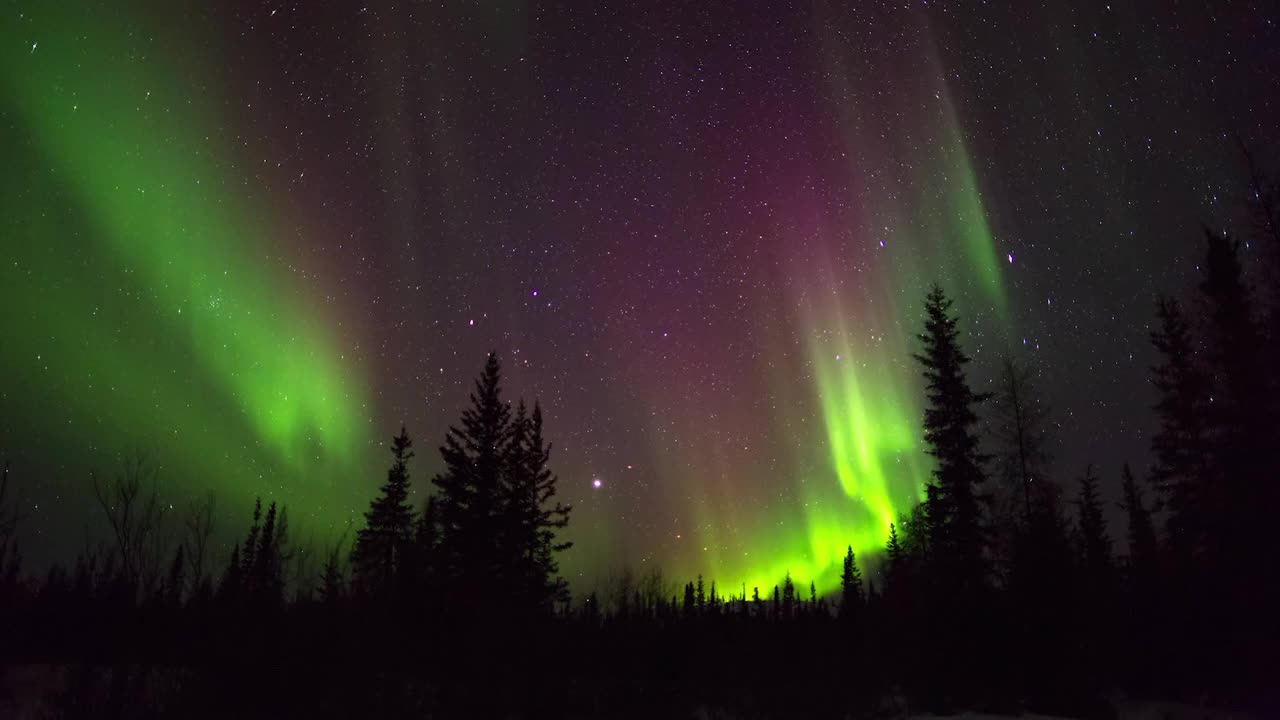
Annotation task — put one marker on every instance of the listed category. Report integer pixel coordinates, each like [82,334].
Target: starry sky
[249,240]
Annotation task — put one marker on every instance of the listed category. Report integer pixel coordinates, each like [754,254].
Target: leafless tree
[133,510]
[1021,433]
[198,527]
[654,589]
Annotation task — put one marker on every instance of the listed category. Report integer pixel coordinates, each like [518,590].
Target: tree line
[1002,589]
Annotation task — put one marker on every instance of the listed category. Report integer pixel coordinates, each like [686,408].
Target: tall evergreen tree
[531,515]
[1242,422]
[231,585]
[381,558]
[1179,446]
[954,504]
[426,540]
[264,576]
[469,492]
[1141,535]
[895,558]
[788,596]
[1095,544]
[851,596]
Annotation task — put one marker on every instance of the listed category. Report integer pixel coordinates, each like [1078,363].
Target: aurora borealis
[251,241]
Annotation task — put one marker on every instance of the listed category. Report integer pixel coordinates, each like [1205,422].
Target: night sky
[252,240]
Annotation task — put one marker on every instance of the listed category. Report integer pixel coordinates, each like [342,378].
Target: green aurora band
[208,341]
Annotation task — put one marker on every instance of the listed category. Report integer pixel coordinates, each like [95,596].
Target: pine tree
[851,599]
[1240,412]
[231,586]
[1141,534]
[426,541]
[896,570]
[332,582]
[265,575]
[1095,545]
[788,596]
[531,521]
[1179,446]
[690,599]
[957,538]
[381,558]
[470,550]
[700,595]
[250,545]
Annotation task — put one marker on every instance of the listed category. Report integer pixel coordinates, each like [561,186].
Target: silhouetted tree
[333,581]
[1141,535]
[470,548]
[132,507]
[265,574]
[895,559]
[1242,421]
[231,587]
[381,558]
[10,558]
[1179,446]
[1021,430]
[851,598]
[1095,545]
[957,538]
[531,519]
[198,526]
[174,582]
[426,542]
[788,596]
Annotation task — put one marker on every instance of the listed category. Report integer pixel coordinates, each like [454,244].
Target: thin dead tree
[198,525]
[133,511]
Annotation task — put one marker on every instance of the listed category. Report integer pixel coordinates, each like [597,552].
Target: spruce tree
[851,597]
[381,558]
[1141,534]
[1095,545]
[1244,469]
[426,541]
[957,538]
[894,554]
[788,596]
[531,515]
[332,582]
[232,583]
[469,493]
[265,574]
[1179,446]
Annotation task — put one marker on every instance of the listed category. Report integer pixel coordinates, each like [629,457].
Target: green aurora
[172,308]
